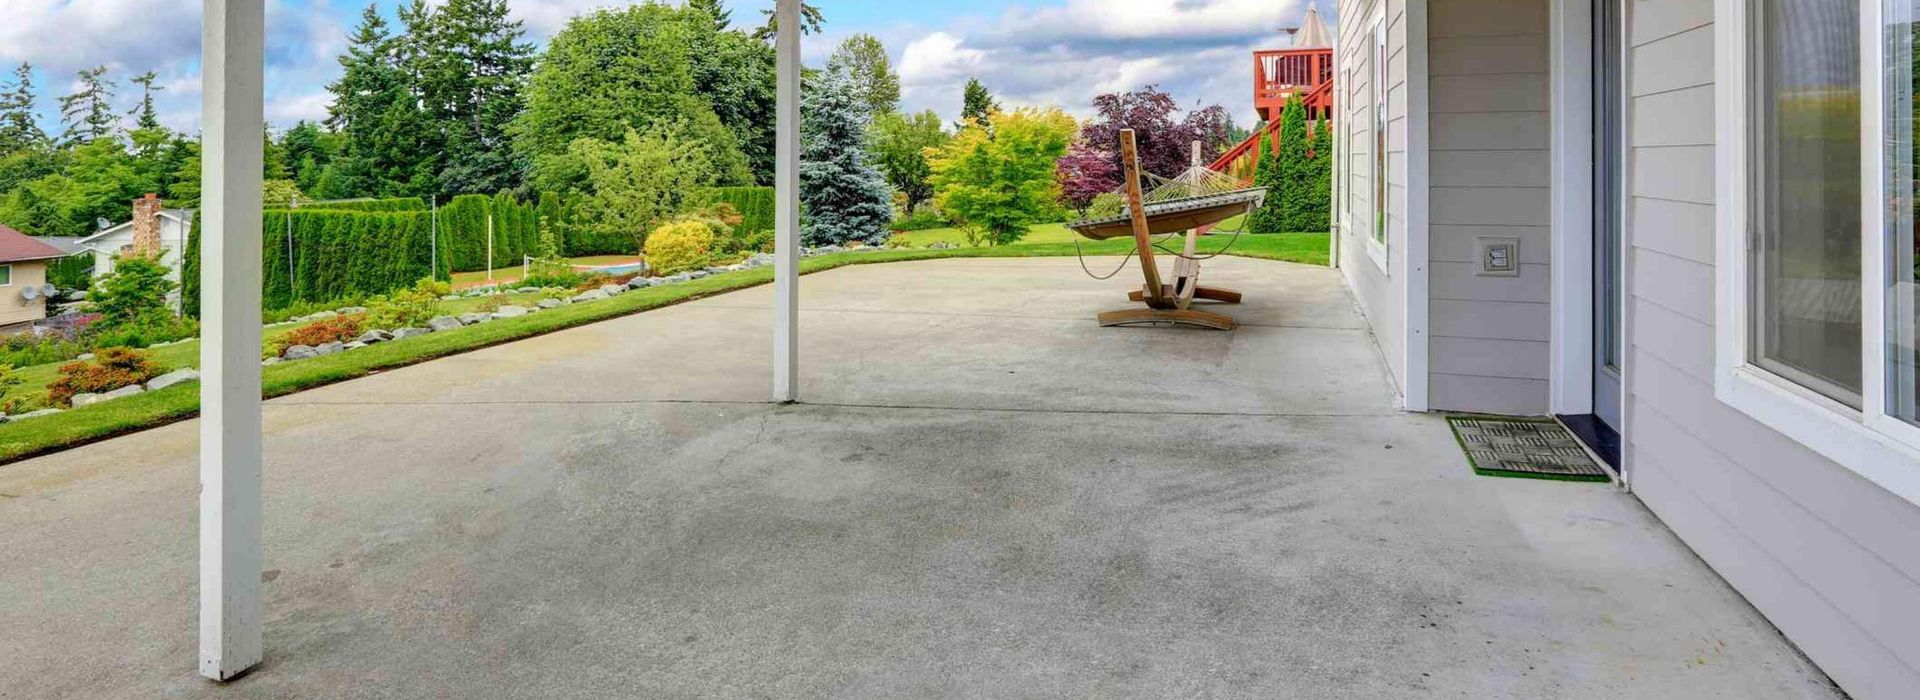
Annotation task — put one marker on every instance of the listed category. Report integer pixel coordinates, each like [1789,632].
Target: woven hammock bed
[1190,203]
[1172,216]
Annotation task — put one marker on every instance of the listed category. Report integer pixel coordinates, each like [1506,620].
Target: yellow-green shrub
[680,246]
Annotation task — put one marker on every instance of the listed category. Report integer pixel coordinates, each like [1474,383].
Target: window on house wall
[1377,60]
[6,275]
[1804,309]
[1819,316]
[1900,161]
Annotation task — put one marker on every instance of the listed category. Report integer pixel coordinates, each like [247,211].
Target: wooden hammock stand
[1167,303]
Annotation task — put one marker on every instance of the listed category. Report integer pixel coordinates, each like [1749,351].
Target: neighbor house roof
[67,244]
[19,247]
[184,216]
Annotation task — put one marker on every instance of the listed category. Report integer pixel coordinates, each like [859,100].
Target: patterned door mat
[1526,448]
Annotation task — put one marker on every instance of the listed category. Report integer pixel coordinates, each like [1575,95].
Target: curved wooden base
[1225,296]
[1166,317]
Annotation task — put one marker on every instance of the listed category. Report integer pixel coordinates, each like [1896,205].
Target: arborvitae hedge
[334,255]
[755,205]
[463,222]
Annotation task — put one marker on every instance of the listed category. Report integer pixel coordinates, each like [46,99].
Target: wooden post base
[1167,317]
[1225,296]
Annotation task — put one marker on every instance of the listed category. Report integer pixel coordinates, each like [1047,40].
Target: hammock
[1196,199]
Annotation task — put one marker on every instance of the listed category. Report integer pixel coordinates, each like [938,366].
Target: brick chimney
[146,225]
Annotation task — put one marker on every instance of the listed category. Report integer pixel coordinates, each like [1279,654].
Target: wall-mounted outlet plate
[1499,256]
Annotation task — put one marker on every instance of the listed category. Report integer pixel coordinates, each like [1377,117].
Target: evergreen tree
[977,105]
[1318,212]
[145,115]
[734,74]
[308,150]
[863,60]
[810,22]
[474,67]
[88,114]
[716,9]
[387,147]
[1288,177]
[18,128]
[846,199]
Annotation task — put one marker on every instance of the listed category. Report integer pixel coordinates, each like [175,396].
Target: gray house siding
[1827,556]
[1376,289]
[1489,171]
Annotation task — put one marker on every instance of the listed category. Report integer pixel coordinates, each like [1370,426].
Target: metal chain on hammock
[1223,249]
[1081,254]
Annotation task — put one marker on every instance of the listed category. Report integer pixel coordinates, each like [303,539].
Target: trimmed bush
[680,246]
[407,308]
[111,369]
[395,204]
[342,329]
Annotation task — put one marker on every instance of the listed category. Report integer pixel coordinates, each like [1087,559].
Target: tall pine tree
[145,116]
[717,9]
[976,104]
[846,198]
[88,113]
[1287,176]
[387,147]
[863,60]
[475,67]
[19,130]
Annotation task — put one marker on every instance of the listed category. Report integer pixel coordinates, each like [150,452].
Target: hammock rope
[1195,183]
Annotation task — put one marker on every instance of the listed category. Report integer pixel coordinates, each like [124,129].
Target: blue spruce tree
[846,198]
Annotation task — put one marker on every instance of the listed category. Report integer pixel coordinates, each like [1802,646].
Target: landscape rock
[405,333]
[589,295]
[298,352]
[34,414]
[351,310]
[184,374]
[676,279]
[473,318]
[639,283]
[612,289]
[329,348]
[551,303]
[321,316]
[444,323]
[271,361]
[374,336]
[355,345]
[697,274]
[79,400]
[124,392]
[525,290]
[85,357]
[510,312]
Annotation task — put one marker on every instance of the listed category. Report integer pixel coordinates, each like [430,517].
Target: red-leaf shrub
[110,369]
[327,330]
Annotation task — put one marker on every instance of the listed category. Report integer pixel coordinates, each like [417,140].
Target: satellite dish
[30,293]
[103,223]
[48,290]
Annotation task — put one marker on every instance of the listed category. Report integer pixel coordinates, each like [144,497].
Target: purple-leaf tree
[1164,137]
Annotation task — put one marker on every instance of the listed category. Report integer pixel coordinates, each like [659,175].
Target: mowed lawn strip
[38,436]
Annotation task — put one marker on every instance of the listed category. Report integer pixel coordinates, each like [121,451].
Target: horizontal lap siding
[1830,558]
[1376,289]
[1491,160]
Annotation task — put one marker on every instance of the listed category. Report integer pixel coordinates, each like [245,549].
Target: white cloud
[1065,53]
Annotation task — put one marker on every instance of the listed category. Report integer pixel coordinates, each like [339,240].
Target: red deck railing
[1242,160]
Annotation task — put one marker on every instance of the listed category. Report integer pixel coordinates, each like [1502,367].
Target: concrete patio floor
[988,496]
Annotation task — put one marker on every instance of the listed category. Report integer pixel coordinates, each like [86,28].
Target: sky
[1028,52]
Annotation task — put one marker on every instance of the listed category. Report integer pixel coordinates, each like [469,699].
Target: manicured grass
[509,274]
[38,436]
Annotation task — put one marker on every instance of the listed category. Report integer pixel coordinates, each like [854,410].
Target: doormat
[1524,448]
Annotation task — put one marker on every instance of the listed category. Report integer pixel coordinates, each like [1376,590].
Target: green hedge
[755,205]
[322,255]
[463,223]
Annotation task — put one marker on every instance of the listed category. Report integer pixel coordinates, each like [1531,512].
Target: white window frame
[9,268]
[1378,186]
[1877,446]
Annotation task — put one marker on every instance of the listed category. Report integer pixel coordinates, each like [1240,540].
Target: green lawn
[511,273]
[37,436]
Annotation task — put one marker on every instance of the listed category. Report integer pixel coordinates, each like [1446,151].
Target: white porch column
[232,121]
[786,212]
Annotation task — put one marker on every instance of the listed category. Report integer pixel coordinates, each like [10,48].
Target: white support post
[232,125]
[786,210]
